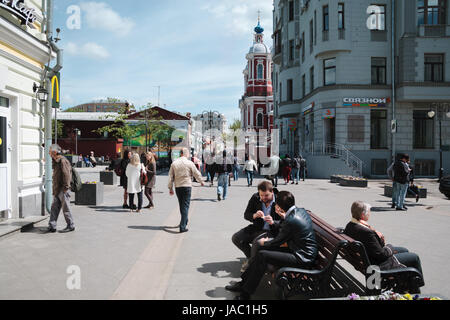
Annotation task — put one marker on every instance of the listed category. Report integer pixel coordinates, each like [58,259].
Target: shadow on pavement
[155,228]
[117,209]
[228,269]
[204,200]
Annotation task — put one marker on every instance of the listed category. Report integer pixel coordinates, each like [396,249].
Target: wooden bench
[329,279]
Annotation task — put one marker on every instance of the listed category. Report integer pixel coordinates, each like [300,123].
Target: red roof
[163,113]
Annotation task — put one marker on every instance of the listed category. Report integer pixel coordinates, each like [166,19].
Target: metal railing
[337,151]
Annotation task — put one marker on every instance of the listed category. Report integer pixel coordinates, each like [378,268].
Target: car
[444,186]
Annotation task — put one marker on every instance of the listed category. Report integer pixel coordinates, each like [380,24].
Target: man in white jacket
[181,172]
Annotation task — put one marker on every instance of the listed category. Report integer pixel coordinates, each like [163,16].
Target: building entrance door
[330,134]
[5,159]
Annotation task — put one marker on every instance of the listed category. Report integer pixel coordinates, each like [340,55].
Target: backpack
[75,184]
[118,170]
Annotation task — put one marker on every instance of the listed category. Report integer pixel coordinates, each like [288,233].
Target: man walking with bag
[181,172]
[62,176]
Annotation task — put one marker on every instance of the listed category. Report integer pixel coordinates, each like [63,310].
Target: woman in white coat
[133,173]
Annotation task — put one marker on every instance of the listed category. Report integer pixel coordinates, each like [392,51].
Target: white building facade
[23,55]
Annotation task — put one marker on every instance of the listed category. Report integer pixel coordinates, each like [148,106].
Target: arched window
[259,120]
[260,71]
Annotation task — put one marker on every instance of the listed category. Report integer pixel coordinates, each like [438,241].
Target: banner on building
[56,93]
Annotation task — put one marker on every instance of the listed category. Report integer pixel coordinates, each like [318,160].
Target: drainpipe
[48,107]
[393,74]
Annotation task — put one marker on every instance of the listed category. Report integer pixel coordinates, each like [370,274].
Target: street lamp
[41,93]
[77,133]
[441,108]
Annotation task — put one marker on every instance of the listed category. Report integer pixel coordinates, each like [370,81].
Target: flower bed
[353,182]
[389,295]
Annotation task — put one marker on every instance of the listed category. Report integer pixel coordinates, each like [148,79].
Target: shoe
[66,230]
[417,198]
[244,266]
[242,296]
[297,183]
[148,207]
[138,211]
[292,182]
[49,230]
[219,198]
[401,209]
[405,207]
[125,206]
[393,206]
[184,230]
[134,207]
[236,287]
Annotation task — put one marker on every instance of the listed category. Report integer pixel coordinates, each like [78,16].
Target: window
[378,70]
[315,27]
[303,46]
[423,131]
[303,85]
[290,91]
[291,50]
[311,36]
[378,129]
[355,129]
[329,72]
[341,17]
[4,102]
[259,120]
[378,17]
[326,25]
[281,92]
[311,78]
[434,67]
[379,167]
[431,12]
[260,69]
[291,10]
[424,168]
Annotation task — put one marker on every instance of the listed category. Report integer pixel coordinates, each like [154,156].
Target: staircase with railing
[337,151]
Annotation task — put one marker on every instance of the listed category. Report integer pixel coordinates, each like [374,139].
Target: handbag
[144,178]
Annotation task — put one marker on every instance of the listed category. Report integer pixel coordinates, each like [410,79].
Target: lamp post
[77,133]
[441,108]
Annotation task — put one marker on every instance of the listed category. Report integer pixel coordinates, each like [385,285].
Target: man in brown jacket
[62,176]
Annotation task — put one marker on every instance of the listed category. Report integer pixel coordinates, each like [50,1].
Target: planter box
[353,183]
[423,192]
[335,179]
[109,178]
[90,195]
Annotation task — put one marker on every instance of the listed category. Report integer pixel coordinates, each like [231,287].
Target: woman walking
[150,167]
[134,171]
[123,177]
[287,168]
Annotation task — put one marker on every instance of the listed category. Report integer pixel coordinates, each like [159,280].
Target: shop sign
[366,102]
[17,7]
[329,114]
[308,109]
[292,124]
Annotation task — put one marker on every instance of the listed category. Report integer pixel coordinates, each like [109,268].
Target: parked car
[444,186]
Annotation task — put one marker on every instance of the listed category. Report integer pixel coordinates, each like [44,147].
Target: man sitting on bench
[295,229]
[385,256]
[260,205]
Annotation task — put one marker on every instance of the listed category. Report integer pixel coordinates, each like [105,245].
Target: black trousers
[244,237]
[278,257]
[131,199]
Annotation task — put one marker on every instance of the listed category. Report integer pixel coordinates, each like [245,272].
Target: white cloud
[90,50]
[100,15]
[241,18]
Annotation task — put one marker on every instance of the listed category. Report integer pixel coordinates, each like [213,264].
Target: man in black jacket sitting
[295,230]
[260,205]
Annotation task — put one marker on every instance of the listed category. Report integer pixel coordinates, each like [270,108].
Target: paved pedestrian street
[123,255]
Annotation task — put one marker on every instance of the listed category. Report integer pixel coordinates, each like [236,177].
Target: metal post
[393,74]
[441,169]
[56,126]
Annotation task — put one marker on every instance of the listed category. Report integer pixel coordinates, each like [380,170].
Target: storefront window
[378,125]
[423,132]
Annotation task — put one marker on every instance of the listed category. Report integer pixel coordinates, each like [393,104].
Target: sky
[193,49]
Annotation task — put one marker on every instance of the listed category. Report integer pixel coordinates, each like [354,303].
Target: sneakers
[402,209]
[219,197]
[67,229]
[49,230]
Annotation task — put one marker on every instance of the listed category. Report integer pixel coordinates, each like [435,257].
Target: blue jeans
[236,173]
[222,185]
[184,200]
[303,173]
[402,190]
[395,188]
[250,177]
[296,174]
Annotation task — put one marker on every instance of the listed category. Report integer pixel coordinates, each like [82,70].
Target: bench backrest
[329,237]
